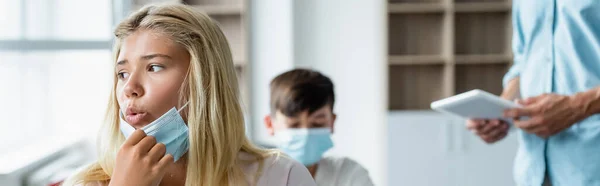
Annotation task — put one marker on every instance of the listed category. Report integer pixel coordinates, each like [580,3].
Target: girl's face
[150,70]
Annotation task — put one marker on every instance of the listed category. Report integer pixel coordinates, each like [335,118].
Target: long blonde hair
[214,114]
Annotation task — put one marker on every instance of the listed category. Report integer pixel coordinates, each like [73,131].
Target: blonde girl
[172,56]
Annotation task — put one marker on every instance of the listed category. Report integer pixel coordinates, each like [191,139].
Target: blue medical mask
[169,129]
[305,145]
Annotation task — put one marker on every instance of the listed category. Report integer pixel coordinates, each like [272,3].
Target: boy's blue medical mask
[169,129]
[306,145]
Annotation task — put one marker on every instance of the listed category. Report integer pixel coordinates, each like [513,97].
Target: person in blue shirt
[556,77]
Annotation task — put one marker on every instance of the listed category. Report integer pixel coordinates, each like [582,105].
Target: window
[55,69]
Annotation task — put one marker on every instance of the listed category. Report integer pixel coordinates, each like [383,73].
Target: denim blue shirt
[556,46]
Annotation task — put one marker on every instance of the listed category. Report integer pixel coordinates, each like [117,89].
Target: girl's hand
[140,161]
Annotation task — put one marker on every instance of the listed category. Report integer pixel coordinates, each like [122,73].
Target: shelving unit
[438,48]
[421,39]
[231,16]
[416,59]
[416,8]
[415,85]
[481,76]
[482,6]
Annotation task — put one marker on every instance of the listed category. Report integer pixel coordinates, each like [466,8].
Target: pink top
[280,171]
[277,171]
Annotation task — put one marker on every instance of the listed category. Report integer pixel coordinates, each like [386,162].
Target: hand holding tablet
[483,110]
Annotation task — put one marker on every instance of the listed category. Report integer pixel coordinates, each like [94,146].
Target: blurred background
[387,59]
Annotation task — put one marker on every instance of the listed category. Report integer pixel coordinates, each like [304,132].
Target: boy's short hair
[301,89]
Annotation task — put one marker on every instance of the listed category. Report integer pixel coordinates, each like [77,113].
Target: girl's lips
[135,119]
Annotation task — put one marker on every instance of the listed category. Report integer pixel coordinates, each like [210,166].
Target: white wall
[431,148]
[271,53]
[344,40]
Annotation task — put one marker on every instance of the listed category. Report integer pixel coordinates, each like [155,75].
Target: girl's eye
[122,75]
[155,68]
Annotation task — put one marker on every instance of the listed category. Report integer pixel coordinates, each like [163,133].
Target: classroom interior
[388,60]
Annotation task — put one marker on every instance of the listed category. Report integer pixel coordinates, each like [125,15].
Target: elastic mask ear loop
[121,115]
[182,107]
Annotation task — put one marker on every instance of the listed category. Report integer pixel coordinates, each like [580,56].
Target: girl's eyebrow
[149,57]
[122,62]
[145,57]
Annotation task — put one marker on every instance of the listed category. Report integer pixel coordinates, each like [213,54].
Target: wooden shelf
[415,8]
[415,87]
[486,77]
[415,34]
[416,60]
[482,7]
[483,59]
[221,9]
[440,48]
[482,33]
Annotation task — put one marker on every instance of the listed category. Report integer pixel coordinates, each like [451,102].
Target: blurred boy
[302,121]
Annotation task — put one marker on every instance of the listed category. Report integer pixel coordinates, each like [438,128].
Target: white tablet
[475,104]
